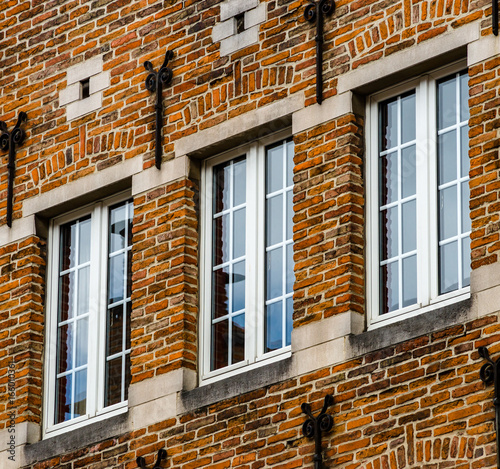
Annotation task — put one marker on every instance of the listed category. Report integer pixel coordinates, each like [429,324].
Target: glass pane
[274,273]
[389,286]
[464,96]
[448,213]
[409,281]
[82,342]
[221,239]
[84,241]
[289,215]
[289,320]
[389,178]
[240,181]
[239,286]
[274,220]
[409,215]
[448,267]
[68,246]
[389,238]
[466,224]
[465,262]
[238,338]
[464,151]
[447,99]
[66,296]
[65,348]
[63,398]
[408,118]
[128,375]
[447,157]
[239,231]
[289,163]
[290,276]
[129,273]
[127,325]
[222,180]
[274,326]
[220,286]
[113,393]
[80,407]
[130,207]
[116,278]
[408,171]
[274,169]
[220,345]
[389,124]
[117,228]
[114,330]
[83,290]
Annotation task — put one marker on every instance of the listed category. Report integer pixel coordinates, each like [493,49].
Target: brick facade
[406,395]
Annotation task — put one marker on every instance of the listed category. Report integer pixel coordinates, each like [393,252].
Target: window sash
[426,203]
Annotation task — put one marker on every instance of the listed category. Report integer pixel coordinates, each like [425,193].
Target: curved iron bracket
[9,141]
[490,373]
[155,82]
[314,12]
[314,427]
[141,462]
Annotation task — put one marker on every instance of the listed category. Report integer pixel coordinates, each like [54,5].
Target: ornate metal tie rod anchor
[9,141]
[315,12]
[155,82]
[314,427]
[490,373]
[141,462]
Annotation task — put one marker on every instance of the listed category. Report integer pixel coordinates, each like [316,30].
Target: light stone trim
[170,171]
[231,8]
[84,70]
[204,139]
[21,228]
[483,49]
[223,30]
[256,16]
[239,41]
[485,289]
[152,412]
[318,356]
[411,57]
[81,107]
[76,189]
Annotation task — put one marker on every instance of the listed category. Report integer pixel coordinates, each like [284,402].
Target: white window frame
[96,411]
[428,297]
[255,261]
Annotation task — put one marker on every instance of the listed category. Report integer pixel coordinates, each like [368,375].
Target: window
[88,359]
[418,216]
[247,256]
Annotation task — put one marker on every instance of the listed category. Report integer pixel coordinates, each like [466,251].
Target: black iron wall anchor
[141,462]
[315,12]
[9,141]
[490,373]
[494,17]
[155,82]
[314,427]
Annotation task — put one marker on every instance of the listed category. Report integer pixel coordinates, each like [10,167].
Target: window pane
[289,320]
[222,179]
[389,238]
[274,169]
[448,267]
[113,381]
[220,356]
[274,326]
[274,220]
[389,287]
[447,157]
[409,226]
[63,398]
[80,407]
[220,297]
[115,330]
[289,215]
[238,339]
[68,246]
[84,241]
[240,182]
[290,276]
[239,285]
[409,281]
[117,231]
[239,234]
[274,273]
[408,171]
[389,124]
[82,342]
[389,178]
[447,99]
[83,290]
[466,223]
[447,213]
[116,278]
[66,296]
[466,262]
[464,151]
[65,348]
[289,163]
[221,239]
[464,96]
[408,118]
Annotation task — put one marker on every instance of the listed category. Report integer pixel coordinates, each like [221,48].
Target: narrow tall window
[419,235]
[89,313]
[248,261]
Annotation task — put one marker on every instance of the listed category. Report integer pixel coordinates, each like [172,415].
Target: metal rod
[154,83]
[9,141]
[494,17]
